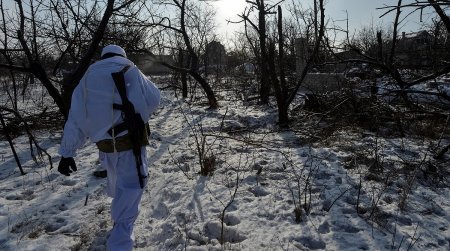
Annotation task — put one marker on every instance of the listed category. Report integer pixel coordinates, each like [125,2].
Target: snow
[261,174]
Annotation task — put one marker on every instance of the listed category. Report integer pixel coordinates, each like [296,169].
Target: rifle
[132,121]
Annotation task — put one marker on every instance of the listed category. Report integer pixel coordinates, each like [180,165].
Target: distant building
[343,56]
[350,54]
[152,65]
[415,49]
[245,69]
[215,54]
[316,82]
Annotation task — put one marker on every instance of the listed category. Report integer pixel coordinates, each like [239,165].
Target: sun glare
[228,10]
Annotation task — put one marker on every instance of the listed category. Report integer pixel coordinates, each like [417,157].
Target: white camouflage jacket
[91,112]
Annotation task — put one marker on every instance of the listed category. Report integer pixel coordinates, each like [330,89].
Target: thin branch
[15,68]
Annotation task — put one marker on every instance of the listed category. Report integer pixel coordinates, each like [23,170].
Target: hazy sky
[360,12]
[365,12]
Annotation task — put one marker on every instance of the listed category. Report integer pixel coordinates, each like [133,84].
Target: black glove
[65,164]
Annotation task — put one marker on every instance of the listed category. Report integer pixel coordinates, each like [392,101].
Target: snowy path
[181,209]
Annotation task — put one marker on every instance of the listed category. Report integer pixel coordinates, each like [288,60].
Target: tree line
[55,41]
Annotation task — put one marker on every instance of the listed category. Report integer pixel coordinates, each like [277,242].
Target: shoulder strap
[119,80]
[125,69]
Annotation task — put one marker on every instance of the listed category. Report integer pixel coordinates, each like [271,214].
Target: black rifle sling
[119,80]
[132,120]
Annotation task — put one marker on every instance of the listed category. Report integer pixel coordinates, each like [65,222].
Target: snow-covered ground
[261,176]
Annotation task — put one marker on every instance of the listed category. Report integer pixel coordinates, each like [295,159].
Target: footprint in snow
[347,228]
[231,220]
[403,220]
[277,176]
[54,224]
[175,196]
[60,224]
[25,195]
[213,230]
[13,197]
[52,177]
[68,182]
[259,191]
[312,243]
[263,162]
[3,212]
[160,211]
[324,228]
[323,176]
[348,210]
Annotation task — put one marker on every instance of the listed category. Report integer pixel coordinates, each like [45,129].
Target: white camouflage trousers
[123,186]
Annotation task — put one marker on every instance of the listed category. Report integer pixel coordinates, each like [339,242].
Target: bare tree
[284,92]
[259,47]
[40,39]
[35,36]
[189,31]
[386,60]
[11,145]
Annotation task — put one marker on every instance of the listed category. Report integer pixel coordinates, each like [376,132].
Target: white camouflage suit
[92,115]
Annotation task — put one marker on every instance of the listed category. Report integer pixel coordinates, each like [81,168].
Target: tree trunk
[279,85]
[212,101]
[445,19]
[181,64]
[283,117]
[380,46]
[8,137]
[193,69]
[264,90]
[39,72]
[184,84]
[302,75]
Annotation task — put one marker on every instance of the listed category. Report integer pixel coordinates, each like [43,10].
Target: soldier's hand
[65,166]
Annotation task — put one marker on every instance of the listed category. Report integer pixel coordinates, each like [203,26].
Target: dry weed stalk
[206,156]
[302,191]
